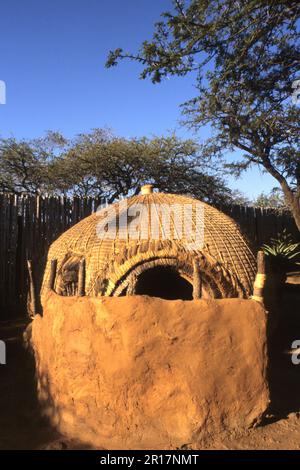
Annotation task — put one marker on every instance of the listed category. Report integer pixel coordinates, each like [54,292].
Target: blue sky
[52,56]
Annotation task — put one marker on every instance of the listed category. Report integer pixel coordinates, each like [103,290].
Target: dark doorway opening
[163,282]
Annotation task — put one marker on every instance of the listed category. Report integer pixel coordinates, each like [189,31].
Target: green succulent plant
[282,251]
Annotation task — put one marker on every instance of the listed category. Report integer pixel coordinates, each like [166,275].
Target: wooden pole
[197,281]
[31,288]
[81,278]
[53,268]
[131,290]
[260,279]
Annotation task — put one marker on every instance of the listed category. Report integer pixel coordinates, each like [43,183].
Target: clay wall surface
[142,372]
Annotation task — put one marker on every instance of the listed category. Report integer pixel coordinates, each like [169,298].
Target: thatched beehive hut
[131,387]
[136,261]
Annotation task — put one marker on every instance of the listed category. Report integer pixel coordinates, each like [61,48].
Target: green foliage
[283,251]
[115,167]
[273,200]
[109,167]
[25,164]
[245,56]
[239,198]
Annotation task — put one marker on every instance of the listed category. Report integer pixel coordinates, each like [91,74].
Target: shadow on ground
[21,424]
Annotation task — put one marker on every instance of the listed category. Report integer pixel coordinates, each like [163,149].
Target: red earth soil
[23,427]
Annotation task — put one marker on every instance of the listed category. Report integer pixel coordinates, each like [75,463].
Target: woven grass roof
[226,251]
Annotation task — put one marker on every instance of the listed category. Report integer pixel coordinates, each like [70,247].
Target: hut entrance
[164,282]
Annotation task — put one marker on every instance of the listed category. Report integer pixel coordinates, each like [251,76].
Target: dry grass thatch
[226,261]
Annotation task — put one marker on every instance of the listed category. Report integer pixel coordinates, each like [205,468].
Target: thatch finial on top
[147,189]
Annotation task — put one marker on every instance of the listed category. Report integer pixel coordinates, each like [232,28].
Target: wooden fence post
[260,279]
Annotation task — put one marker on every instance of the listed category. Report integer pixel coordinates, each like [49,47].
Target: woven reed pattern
[225,248]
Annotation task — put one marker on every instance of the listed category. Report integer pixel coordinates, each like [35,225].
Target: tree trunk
[293,202]
[296,213]
[292,198]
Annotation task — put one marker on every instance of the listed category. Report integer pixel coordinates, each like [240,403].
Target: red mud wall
[139,372]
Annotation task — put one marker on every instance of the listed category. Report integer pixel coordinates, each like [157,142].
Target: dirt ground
[22,427]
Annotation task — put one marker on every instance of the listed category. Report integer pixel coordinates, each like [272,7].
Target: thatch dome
[163,266]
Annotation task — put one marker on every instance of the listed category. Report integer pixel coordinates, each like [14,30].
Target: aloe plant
[282,251]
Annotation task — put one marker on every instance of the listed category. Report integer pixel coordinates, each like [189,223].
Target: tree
[25,164]
[75,171]
[108,167]
[240,198]
[273,200]
[113,167]
[246,57]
